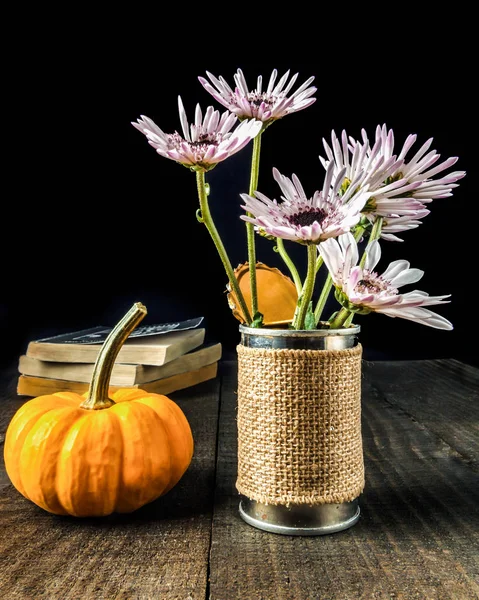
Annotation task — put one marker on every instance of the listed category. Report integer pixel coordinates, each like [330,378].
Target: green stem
[207,219]
[305,299]
[375,234]
[319,262]
[328,284]
[358,232]
[250,234]
[340,319]
[349,320]
[290,264]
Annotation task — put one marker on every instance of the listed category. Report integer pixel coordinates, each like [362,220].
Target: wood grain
[159,552]
[443,395]
[417,536]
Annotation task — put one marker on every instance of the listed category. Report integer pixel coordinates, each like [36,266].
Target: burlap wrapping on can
[299,425]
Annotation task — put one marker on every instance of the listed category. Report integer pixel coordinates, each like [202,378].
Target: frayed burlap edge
[299,425]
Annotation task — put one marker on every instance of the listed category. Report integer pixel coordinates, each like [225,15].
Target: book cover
[38,386]
[147,349]
[97,335]
[122,374]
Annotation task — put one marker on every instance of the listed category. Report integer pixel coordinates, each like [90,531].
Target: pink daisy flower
[266,105]
[363,290]
[399,187]
[204,143]
[302,219]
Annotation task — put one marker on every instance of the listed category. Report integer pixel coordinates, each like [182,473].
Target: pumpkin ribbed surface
[69,460]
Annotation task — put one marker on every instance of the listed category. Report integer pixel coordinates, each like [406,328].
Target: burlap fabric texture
[299,425]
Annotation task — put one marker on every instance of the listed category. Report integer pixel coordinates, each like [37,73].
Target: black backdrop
[95,220]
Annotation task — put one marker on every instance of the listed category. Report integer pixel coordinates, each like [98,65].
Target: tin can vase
[300,453]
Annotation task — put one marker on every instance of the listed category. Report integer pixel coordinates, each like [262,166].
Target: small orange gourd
[97,454]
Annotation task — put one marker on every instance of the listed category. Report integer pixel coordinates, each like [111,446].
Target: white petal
[373,254]
[419,315]
[354,276]
[350,252]
[198,116]
[332,255]
[272,79]
[394,268]
[183,120]
[407,276]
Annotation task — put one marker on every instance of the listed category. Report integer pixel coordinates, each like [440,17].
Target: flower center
[256,99]
[200,145]
[372,283]
[308,217]
[367,286]
[205,139]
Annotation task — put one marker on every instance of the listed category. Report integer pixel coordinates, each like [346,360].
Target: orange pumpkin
[97,454]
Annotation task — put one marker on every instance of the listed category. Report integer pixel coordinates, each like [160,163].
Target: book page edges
[131,352]
[38,386]
[122,374]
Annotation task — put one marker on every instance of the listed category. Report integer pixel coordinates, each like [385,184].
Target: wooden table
[417,537]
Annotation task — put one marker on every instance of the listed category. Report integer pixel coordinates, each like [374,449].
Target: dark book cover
[97,335]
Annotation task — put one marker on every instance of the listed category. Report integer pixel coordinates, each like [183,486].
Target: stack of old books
[156,358]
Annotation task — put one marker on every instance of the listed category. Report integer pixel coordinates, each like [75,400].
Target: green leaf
[257,320]
[309,319]
[333,316]
[345,303]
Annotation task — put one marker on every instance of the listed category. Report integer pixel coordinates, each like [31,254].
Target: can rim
[275,332]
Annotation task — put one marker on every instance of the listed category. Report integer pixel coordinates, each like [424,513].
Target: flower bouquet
[369,192]
[300,460]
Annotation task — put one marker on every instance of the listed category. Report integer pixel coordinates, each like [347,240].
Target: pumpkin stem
[100,381]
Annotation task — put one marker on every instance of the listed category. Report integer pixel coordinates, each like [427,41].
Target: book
[38,386]
[122,374]
[148,349]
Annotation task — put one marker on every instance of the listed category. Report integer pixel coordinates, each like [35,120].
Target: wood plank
[441,394]
[417,536]
[160,551]
[9,403]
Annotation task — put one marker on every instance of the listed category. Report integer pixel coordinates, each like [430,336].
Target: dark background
[94,219]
